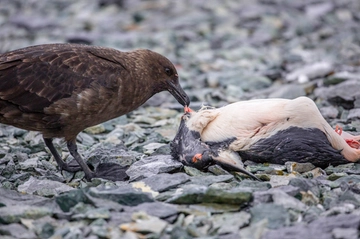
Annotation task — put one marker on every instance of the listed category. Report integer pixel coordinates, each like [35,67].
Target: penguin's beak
[187,109]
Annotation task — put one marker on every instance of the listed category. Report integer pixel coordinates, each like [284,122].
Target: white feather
[250,121]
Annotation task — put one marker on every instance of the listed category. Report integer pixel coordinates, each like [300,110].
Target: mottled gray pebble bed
[225,51]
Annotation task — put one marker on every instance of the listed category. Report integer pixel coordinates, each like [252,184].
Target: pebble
[16,230]
[317,227]
[188,194]
[299,167]
[208,180]
[44,187]
[309,72]
[13,214]
[164,181]
[152,165]
[124,194]
[276,215]
[255,230]
[228,196]
[144,224]
[289,91]
[156,209]
[230,222]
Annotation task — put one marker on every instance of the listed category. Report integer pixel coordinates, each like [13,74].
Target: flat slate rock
[188,194]
[124,195]
[13,198]
[165,181]
[323,228]
[152,165]
[109,153]
[237,196]
[208,180]
[156,209]
[277,215]
[17,230]
[11,214]
[230,222]
[43,187]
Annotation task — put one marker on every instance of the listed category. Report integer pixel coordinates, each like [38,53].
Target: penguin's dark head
[188,148]
[199,156]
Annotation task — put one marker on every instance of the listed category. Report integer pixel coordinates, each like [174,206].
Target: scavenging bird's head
[164,73]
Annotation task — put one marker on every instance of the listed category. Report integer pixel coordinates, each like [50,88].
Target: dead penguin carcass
[264,130]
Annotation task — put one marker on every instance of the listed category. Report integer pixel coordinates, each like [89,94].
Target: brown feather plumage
[61,89]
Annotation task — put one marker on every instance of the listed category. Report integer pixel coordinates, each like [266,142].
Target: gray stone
[91,213]
[217,170]
[188,194]
[312,71]
[345,233]
[227,196]
[276,180]
[313,213]
[208,180]
[164,181]
[195,172]
[347,90]
[335,176]
[85,139]
[309,199]
[340,77]
[254,185]
[230,222]
[354,114]
[16,230]
[267,196]
[29,164]
[312,185]
[318,10]
[145,224]
[102,203]
[329,112]
[349,180]
[290,91]
[110,153]
[100,229]
[244,80]
[281,198]
[124,195]
[299,167]
[13,198]
[13,214]
[152,165]
[276,215]
[43,187]
[156,209]
[322,228]
[68,200]
[179,232]
[255,230]
[205,208]
[9,169]
[340,208]
[350,168]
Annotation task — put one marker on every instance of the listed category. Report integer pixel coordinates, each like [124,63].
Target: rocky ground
[225,51]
